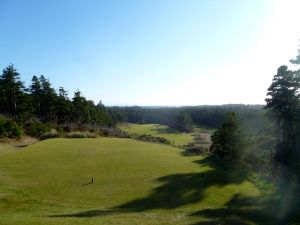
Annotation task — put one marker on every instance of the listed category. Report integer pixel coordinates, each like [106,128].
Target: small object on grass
[92,180]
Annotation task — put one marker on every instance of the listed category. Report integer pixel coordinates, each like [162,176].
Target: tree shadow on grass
[164,130]
[175,190]
[240,210]
[178,190]
[92,213]
[182,189]
[270,209]
[192,151]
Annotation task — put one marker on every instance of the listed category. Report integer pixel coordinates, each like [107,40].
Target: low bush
[50,134]
[93,130]
[194,150]
[112,132]
[149,138]
[78,134]
[10,129]
[90,135]
[36,128]
[75,135]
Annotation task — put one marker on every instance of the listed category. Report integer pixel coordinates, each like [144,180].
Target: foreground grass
[175,137]
[134,183]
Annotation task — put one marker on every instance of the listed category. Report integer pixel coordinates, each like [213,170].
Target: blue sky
[152,52]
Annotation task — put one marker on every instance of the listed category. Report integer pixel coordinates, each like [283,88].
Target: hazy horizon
[178,106]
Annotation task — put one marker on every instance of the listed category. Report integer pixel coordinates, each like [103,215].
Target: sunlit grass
[134,183]
[175,137]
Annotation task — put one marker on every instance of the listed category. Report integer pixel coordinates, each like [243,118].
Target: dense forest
[183,118]
[42,101]
[39,107]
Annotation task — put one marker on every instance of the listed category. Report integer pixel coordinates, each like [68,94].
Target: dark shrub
[50,134]
[149,138]
[36,128]
[9,129]
[112,132]
[193,150]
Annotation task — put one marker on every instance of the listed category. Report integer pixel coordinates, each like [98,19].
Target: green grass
[134,183]
[176,138]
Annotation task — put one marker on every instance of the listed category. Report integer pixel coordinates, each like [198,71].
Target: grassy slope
[159,131]
[134,183]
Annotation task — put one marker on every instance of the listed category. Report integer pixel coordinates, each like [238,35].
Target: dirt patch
[202,140]
[22,142]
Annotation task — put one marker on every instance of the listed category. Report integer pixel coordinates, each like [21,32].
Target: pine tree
[183,122]
[48,100]
[11,91]
[63,106]
[79,107]
[36,94]
[283,103]
[227,140]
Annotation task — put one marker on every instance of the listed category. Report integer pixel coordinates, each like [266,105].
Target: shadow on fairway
[93,213]
[192,151]
[86,184]
[186,188]
[238,211]
[178,190]
[164,130]
[270,209]
[175,191]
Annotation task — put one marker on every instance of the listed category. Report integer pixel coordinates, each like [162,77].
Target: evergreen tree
[103,116]
[63,106]
[48,100]
[183,122]
[227,140]
[297,60]
[36,94]
[41,100]
[11,91]
[79,107]
[283,103]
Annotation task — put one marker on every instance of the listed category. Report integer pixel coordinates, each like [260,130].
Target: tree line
[184,118]
[41,102]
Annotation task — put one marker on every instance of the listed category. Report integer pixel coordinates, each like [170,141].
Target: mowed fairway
[158,130]
[134,183]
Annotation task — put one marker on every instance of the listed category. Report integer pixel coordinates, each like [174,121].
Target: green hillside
[134,183]
[159,130]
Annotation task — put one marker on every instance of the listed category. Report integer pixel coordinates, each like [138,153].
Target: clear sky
[152,52]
